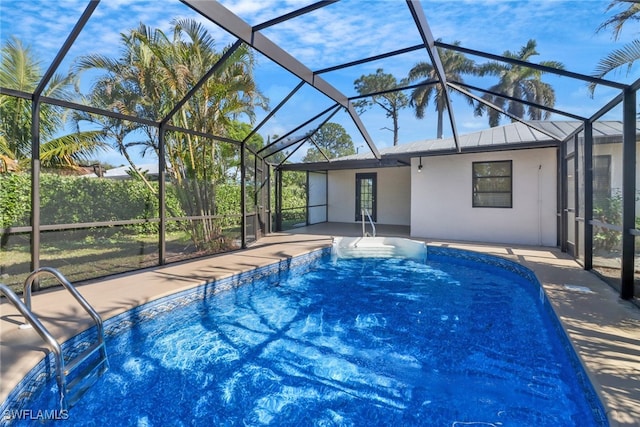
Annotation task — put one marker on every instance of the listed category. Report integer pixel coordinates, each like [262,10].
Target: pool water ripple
[355,342]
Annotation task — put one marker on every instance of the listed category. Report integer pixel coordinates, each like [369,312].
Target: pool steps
[92,367]
[378,247]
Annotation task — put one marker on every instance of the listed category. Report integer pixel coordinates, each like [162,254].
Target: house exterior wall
[441,199]
[393,195]
[615,151]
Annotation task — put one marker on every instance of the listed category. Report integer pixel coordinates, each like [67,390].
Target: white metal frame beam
[429,42]
[228,21]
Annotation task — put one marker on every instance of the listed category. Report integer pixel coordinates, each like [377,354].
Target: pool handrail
[364,212]
[33,321]
[69,287]
[63,371]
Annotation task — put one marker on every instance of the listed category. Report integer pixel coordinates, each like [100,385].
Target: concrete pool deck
[604,330]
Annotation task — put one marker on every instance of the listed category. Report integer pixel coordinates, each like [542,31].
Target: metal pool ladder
[70,392]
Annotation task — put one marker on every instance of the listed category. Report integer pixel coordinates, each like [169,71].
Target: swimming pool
[464,339]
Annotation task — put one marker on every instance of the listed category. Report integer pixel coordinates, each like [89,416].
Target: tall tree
[381,85]
[627,54]
[332,141]
[230,158]
[518,82]
[113,96]
[455,64]
[19,70]
[155,71]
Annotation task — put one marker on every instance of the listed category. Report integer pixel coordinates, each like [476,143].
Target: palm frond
[70,149]
[626,55]
[5,150]
[19,69]
[618,20]
[553,64]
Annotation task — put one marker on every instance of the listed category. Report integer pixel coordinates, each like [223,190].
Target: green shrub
[15,199]
[228,203]
[609,211]
[72,200]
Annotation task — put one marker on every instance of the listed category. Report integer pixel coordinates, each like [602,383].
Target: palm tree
[116,131]
[454,64]
[630,52]
[518,82]
[156,71]
[20,71]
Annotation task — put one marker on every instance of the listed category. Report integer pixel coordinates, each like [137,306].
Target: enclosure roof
[309,55]
[420,44]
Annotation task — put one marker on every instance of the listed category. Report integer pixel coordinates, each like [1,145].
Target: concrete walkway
[605,331]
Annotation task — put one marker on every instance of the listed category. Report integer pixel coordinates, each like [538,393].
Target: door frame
[374,189]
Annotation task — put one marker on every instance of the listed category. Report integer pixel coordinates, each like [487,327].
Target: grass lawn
[82,257]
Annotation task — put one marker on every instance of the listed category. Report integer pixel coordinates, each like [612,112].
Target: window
[492,184]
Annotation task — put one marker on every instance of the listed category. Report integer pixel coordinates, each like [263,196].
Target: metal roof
[512,136]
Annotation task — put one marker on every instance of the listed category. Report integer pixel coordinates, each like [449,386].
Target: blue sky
[565,31]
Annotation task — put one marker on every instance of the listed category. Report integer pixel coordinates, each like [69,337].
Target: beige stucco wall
[394,195]
[441,198]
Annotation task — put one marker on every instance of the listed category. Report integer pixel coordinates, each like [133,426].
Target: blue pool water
[358,342]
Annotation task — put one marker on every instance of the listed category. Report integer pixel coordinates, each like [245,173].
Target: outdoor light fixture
[420,165]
